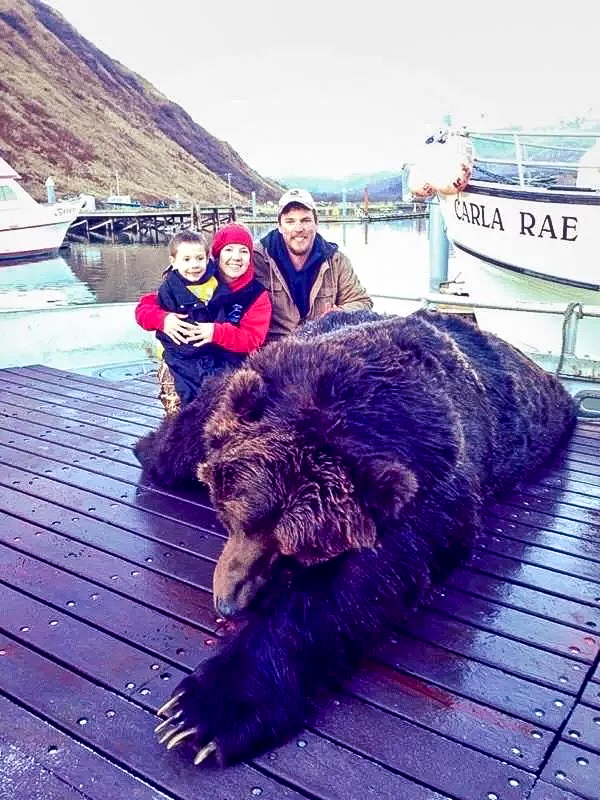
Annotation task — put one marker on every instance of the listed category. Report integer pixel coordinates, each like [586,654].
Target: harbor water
[75,311]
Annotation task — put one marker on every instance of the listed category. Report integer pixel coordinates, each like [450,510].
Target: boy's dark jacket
[226,305]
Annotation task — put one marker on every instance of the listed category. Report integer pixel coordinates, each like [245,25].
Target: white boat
[29,229]
[526,230]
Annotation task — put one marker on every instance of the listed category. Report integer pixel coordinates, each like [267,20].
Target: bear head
[289,476]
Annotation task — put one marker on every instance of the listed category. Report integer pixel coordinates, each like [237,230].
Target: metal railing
[571,312]
[517,139]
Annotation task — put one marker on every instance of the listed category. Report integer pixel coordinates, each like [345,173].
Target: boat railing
[572,313]
[561,142]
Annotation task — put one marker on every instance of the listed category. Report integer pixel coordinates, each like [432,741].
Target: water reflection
[45,283]
[119,273]
[389,258]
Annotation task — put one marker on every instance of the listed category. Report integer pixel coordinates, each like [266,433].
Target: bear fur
[349,464]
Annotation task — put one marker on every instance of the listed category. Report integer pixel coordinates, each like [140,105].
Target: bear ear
[246,394]
[244,398]
[386,486]
[310,545]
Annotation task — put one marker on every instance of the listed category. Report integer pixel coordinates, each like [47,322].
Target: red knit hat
[234,233]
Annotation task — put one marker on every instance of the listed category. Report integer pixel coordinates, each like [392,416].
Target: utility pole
[229,187]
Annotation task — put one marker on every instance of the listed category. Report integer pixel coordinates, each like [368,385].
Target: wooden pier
[157,225]
[491,692]
[146,225]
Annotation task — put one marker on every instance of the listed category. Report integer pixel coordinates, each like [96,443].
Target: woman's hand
[202,333]
[176,327]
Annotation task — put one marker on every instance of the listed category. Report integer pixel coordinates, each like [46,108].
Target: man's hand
[202,333]
[176,327]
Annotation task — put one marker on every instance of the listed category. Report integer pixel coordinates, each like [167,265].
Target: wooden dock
[146,225]
[492,692]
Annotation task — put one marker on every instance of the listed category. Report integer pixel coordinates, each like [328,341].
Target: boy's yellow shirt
[203,291]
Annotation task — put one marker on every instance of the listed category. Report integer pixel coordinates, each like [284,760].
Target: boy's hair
[189,237]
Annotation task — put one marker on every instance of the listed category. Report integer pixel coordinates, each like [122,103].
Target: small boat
[525,229]
[29,229]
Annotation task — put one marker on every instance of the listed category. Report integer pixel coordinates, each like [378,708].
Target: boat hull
[535,333]
[516,245]
[39,232]
[551,235]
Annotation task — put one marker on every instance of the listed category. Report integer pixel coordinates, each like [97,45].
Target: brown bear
[349,464]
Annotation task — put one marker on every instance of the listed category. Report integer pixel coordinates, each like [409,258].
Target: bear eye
[224,478]
[216,440]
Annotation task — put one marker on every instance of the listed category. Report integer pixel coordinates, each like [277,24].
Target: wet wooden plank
[541,603]
[574,769]
[114,441]
[520,625]
[19,431]
[135,574]
[100,522]
[323,769]
[583,727]
[76,488]
[499,513]
[106,411]
[127,471]
[64,639]
[455,716]
[544,707]
[128,611]
[518,658]
[463,772]
[561,542]
[485,678]
[43,763]
[543,578]
[545,791]
[540,556]
[68,392]
[143,385]
[74,418]
[591,694]
[98,386]
[119,729]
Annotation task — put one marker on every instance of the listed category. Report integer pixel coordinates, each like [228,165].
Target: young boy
[205,324]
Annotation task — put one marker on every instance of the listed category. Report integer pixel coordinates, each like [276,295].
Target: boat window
[6,193]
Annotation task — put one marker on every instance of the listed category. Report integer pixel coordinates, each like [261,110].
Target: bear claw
[180,736]
[170,732]
[169,704]
[168,721]
[203,754]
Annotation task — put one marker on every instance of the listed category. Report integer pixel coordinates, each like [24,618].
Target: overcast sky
[335,87]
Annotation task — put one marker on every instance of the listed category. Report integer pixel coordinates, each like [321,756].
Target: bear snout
[243,568]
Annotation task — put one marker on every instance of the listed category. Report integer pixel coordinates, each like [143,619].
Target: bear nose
[225,608]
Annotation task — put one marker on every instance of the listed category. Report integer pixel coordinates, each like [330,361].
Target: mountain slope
[71,111]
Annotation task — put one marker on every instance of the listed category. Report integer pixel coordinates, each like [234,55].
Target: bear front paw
[223,720]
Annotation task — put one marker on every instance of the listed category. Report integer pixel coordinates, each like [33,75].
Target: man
[305,275]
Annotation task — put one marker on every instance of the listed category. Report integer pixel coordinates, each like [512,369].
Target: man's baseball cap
[300,196]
